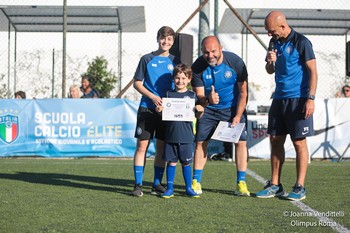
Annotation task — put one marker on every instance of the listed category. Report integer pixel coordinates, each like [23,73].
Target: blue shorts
[178,151]
[287,116]
[207,124]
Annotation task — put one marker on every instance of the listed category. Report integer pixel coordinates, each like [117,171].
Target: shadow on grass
[226,192]
[123,186]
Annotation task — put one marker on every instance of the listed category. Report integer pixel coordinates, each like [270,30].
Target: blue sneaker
[191,193]
[270,190]
[169,193]
[298,193]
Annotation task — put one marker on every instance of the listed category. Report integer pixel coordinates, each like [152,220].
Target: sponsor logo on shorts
[139,131]
[305,131]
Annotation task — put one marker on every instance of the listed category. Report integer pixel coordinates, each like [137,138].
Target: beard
[214,62]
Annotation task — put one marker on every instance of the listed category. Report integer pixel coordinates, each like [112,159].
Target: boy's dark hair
[165,31]
[182,68]
[22,94]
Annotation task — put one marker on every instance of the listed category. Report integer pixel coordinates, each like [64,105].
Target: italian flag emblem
[9,127]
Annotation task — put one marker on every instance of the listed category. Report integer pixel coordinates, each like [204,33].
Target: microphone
[272,48]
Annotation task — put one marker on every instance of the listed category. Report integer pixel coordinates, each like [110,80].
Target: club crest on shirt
[170,67]
[228,74]
[289,49]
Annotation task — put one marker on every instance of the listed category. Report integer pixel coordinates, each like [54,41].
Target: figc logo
[9,128]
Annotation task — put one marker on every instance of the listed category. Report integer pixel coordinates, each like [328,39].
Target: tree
[103,80]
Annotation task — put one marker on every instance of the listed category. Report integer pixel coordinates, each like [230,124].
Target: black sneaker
[226,157]
[214,157]
[137,192]
[158,190]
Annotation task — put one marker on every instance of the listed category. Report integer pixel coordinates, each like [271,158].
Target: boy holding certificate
[179,135]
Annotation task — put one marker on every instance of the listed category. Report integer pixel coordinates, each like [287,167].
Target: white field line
[330,222]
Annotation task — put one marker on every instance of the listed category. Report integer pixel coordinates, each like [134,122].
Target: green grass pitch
[93,195]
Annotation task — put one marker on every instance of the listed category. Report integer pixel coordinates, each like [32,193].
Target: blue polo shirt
[156,73]
[223,77]
[292,77]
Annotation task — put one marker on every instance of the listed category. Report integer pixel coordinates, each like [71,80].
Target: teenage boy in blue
[293,61]
[220,80]
[179,135]
[153,78]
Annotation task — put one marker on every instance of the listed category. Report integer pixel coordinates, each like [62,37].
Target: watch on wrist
[311,97]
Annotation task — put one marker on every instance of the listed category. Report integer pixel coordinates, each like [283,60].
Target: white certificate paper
[178,109]
[224,132]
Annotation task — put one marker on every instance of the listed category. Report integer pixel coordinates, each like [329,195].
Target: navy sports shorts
[149,123]
[287,116]
[207,124]
[178,151]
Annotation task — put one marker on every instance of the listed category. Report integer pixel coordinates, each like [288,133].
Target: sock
[170,175]
[197,174]
[187,174]
[240,176]
[158,175]
[138,173]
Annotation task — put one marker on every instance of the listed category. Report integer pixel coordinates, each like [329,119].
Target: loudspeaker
[183,48]
[347,58]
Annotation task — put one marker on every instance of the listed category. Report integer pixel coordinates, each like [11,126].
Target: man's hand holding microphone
[271,58]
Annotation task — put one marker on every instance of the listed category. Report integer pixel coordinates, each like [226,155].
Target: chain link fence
[32,62]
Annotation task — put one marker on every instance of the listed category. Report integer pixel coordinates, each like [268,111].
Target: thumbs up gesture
[213,96]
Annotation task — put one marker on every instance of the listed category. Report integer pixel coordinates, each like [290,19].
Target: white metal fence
[36,67]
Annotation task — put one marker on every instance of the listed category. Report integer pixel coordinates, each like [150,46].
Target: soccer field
[92,195]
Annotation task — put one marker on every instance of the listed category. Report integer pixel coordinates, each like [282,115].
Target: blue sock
[138,173]
[170,175]
[240,176]
[158,175]
[197,175]
[187,174]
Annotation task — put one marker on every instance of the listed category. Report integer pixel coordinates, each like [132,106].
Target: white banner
[331,139]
